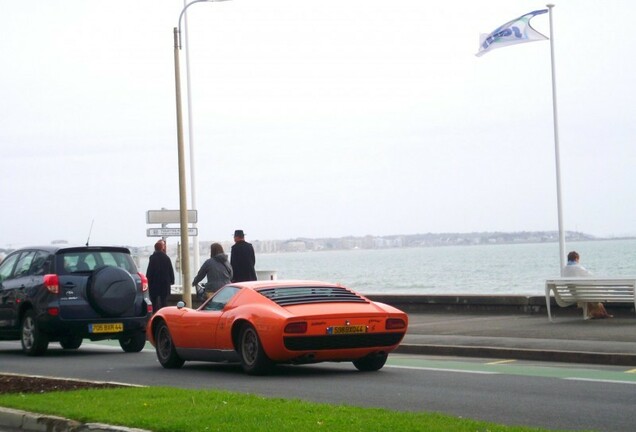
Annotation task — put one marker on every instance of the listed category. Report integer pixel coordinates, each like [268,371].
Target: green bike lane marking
[511,368]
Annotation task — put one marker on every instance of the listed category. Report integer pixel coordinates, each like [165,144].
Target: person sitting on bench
[575,269]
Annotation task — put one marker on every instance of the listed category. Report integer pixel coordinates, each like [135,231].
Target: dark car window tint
[69,264]
[109,259]
[117,259]
[24,263]
[89,261]
[6,268]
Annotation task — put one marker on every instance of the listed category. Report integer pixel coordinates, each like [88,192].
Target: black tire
[253,358]
[112,291]
[371,363]
[34,341]
[133,342]
[166,353]
[71,342]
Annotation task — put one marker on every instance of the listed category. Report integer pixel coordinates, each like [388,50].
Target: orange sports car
[260,324]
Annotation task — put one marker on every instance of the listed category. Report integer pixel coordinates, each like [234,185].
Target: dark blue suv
[67,294]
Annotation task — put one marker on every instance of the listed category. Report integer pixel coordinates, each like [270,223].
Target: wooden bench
[569,291]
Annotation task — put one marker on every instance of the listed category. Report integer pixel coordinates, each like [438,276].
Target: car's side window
[221,298]
[41,264]
[24,263]
[6,268]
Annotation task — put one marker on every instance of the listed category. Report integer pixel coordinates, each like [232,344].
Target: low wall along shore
[455,303]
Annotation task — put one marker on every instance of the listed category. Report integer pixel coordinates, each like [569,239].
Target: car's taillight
[53,311]
[296,327]
[52,283]
[144,282]
[149,309]
[395,324]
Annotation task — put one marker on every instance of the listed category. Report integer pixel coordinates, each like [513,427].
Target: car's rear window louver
[305,295]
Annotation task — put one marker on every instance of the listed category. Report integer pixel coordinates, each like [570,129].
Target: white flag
[513,32]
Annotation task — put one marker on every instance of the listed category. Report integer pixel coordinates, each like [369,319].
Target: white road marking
[442,370]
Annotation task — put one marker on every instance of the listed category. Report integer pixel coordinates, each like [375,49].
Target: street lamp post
[193,189]
[183,205]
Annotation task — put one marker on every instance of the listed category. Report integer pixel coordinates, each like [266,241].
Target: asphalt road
[523,394]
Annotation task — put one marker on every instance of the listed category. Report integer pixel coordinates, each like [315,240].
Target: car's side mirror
[180,304]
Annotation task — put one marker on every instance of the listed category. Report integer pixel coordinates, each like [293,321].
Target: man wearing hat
[242,259]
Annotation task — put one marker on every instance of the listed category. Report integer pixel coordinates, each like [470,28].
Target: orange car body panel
[209,329]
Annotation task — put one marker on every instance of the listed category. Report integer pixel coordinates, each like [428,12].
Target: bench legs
[547,302]
[583,305]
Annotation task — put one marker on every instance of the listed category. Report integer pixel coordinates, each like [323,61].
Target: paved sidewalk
[524,336]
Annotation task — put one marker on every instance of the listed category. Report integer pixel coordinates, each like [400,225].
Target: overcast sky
[314,118]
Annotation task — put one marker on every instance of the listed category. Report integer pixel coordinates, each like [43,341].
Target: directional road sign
[170,232]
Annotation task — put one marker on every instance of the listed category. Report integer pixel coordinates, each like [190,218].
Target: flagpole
[557,158]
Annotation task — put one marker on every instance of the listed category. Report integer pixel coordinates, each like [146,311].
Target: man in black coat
[242,259]
[160,276]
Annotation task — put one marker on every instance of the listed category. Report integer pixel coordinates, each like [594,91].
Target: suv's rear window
[81,261]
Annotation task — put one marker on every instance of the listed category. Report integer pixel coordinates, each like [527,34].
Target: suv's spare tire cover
[112,291]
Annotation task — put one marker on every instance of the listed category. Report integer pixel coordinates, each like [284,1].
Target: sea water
[504,269]
[507,269]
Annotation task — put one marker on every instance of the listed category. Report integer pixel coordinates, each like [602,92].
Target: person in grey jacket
[217,269]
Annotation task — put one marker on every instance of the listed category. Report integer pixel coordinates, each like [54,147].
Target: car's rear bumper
[334,342]
[55,327]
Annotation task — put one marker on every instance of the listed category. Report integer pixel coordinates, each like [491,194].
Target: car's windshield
[85,261]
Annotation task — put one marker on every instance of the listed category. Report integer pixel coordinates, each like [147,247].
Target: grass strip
[178,410]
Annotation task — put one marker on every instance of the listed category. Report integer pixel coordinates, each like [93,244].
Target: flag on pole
[513,32]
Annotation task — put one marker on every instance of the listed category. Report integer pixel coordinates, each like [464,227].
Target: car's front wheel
[253,358]
[166,352]
[70,342]
[34,341]
[134,342]
[371,363]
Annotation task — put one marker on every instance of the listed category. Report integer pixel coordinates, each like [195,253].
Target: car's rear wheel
[253,358]
[133,342]
[70,342]
[166,352]
[371,363]
[34,341]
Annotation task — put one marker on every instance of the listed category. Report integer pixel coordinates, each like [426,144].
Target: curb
[28,421]
[614,359]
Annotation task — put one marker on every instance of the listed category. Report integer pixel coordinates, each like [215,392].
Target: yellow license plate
[106,328]
[350,329]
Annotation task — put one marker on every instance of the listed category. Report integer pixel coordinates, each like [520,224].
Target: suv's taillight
[144,282]
[52,283]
